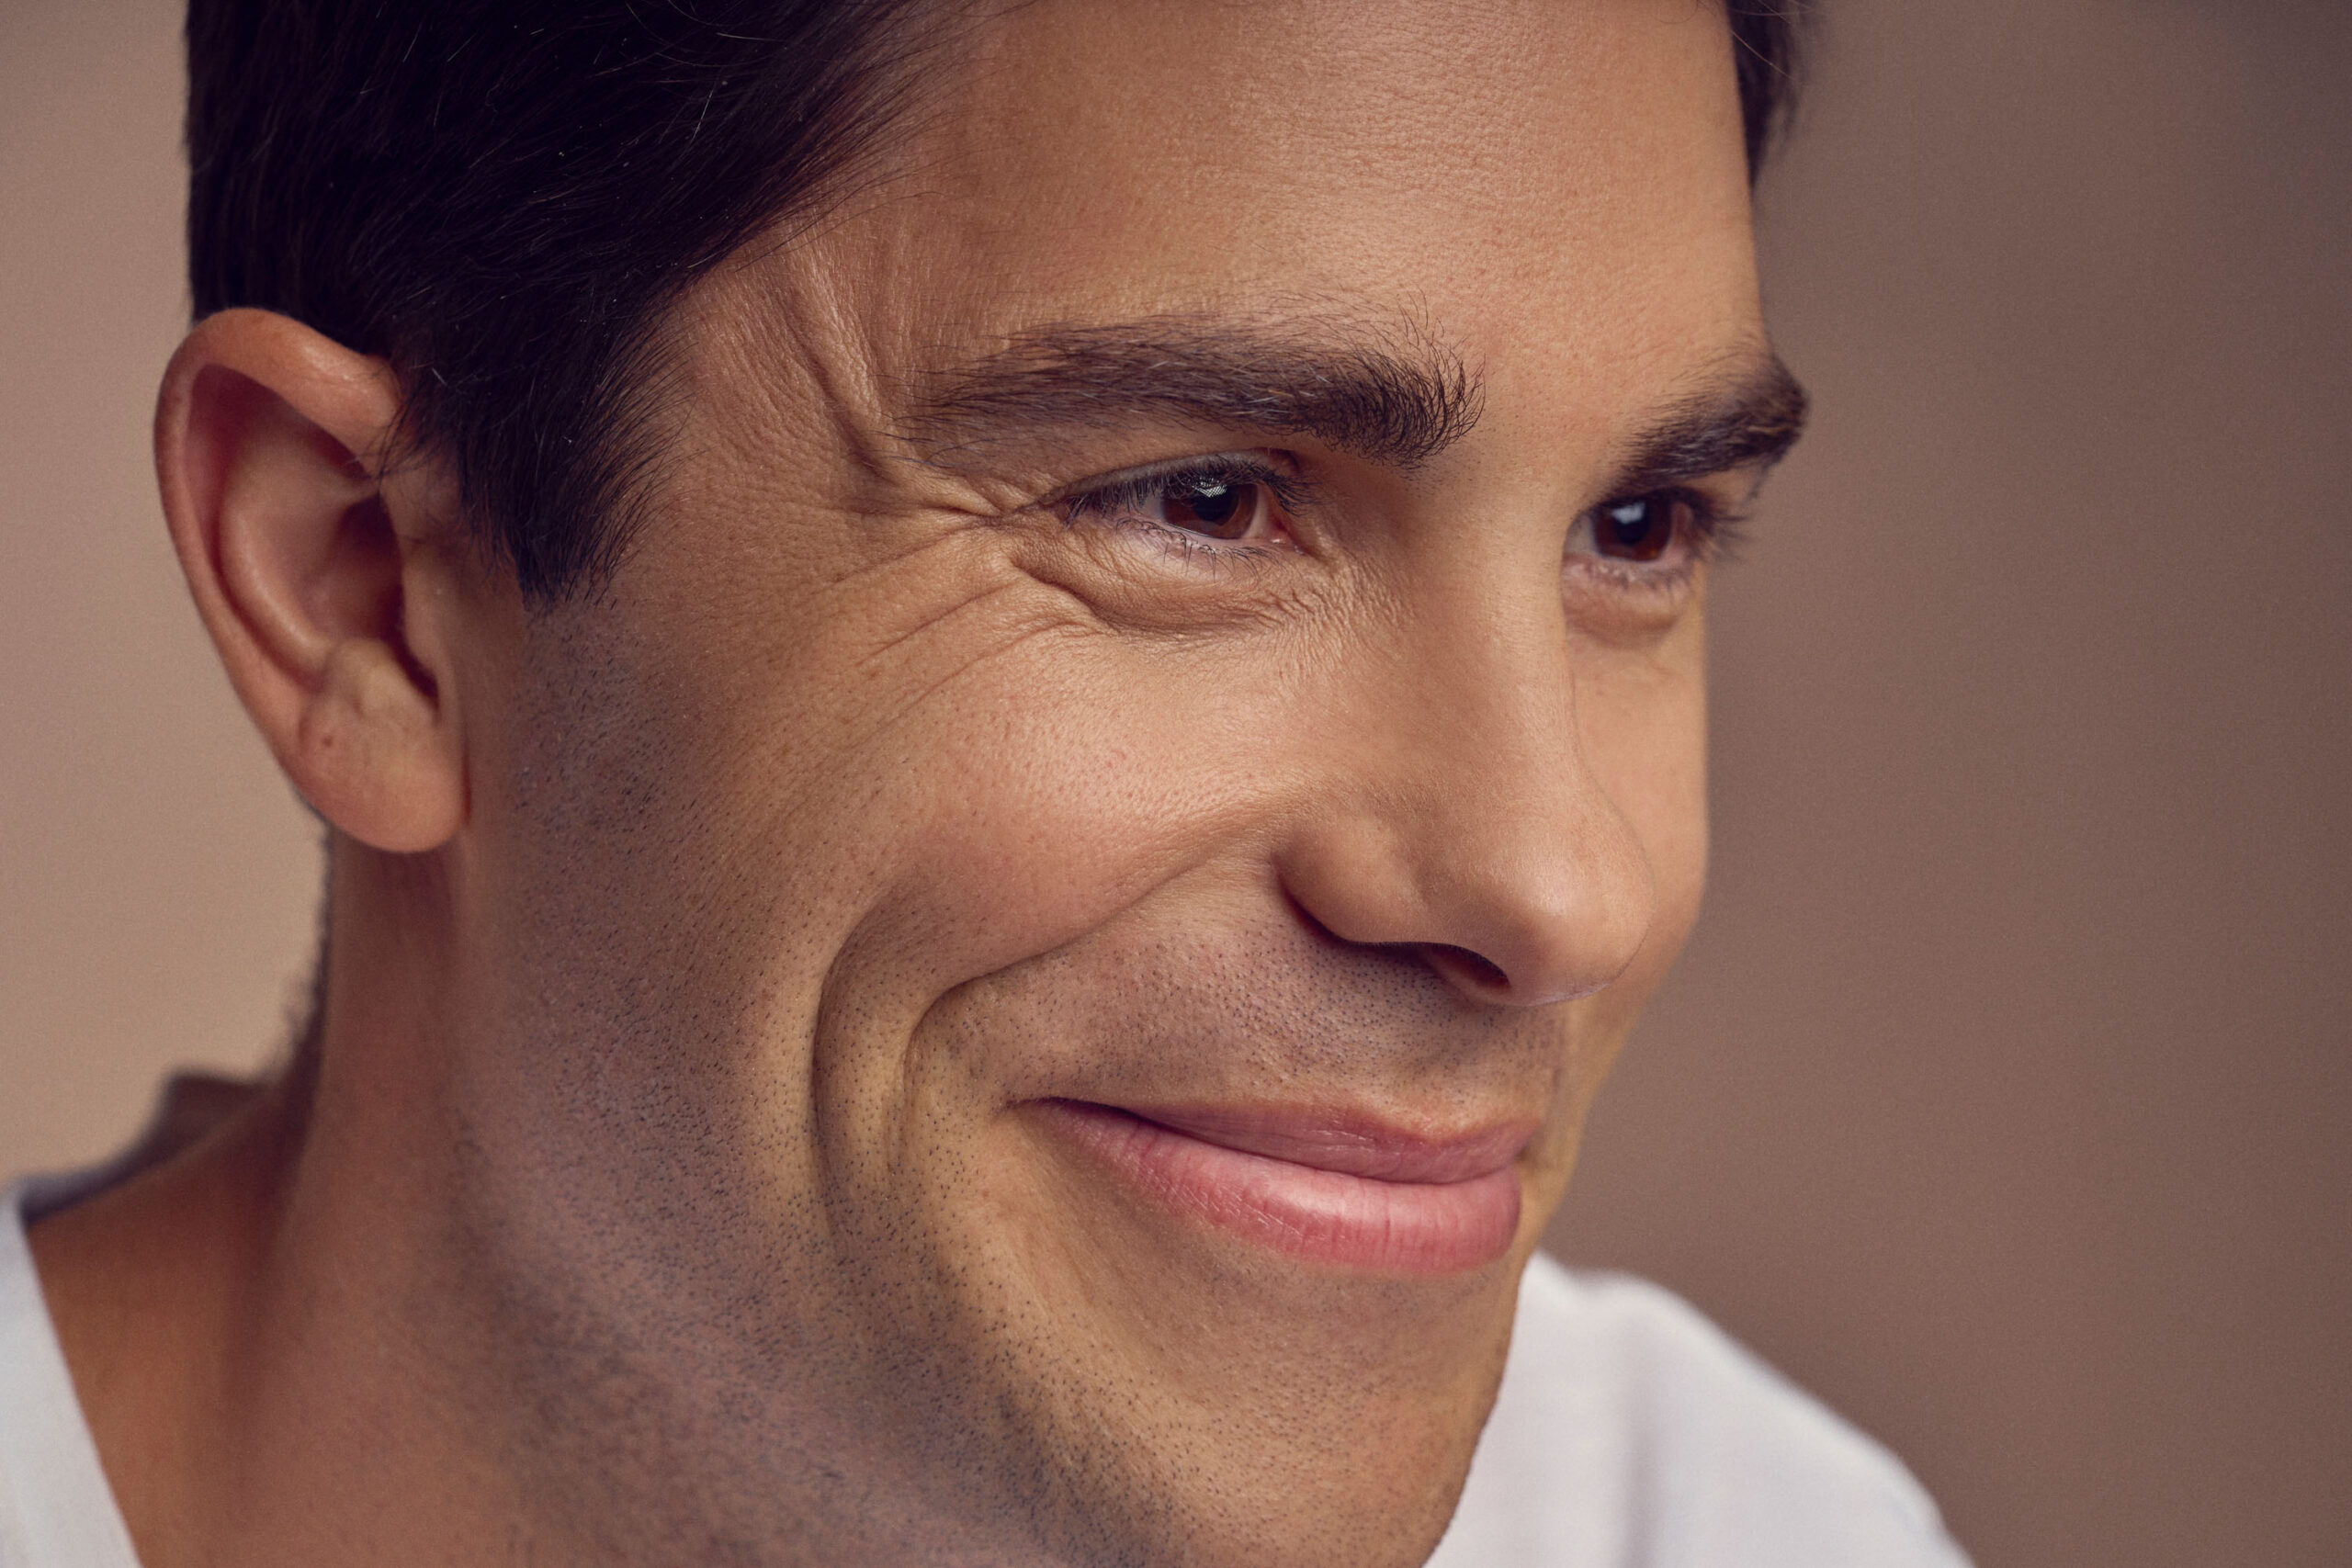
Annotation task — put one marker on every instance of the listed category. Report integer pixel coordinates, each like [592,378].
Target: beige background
[2004,1096]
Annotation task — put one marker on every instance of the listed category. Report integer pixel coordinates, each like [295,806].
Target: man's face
[1046,943]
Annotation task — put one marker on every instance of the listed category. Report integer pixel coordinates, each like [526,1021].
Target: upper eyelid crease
[1108,496]
[1717,536]
[1289,489]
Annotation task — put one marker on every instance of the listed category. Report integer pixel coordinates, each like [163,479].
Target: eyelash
[1715,534]
[1120,503]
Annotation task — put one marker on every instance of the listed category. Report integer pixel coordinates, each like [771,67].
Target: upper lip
[1352,1142]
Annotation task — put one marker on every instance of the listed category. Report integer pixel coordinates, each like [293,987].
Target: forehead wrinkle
[1397,397]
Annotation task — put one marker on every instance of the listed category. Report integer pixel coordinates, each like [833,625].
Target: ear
[269,442]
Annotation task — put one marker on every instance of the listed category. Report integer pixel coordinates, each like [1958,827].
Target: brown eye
[1641,528]
[1219,508]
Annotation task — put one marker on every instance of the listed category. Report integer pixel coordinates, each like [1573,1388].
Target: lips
[1330,1188]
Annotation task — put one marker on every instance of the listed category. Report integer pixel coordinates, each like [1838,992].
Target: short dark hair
[501,198]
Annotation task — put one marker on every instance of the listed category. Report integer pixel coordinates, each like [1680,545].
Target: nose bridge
[1470,821]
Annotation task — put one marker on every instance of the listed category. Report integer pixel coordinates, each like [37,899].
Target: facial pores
[850,817]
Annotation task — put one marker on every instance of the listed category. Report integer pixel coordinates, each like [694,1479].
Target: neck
[340,1303]
[242,1319]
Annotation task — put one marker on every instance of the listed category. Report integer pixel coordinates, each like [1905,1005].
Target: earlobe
[374,753]
[268,439]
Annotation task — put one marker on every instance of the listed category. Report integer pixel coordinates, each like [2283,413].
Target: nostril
[1468,969]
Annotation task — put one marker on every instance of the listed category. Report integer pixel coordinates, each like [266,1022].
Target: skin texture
[679,1182]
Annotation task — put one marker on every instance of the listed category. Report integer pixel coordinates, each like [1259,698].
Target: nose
[1461,817]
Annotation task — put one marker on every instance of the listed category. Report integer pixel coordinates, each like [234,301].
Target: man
[1008,700]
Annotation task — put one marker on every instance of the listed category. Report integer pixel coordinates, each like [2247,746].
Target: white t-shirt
[1630,1433]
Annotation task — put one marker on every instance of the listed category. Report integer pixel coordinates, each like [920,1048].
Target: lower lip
[1330,1216]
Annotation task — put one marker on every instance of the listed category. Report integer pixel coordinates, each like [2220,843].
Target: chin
[1140,1378]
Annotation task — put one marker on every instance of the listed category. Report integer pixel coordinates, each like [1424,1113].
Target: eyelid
[1715,533]
[1707,511]
[1137,483]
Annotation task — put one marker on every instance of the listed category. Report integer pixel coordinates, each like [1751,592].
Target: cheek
[1052,789]
[901,804]
[1644,724]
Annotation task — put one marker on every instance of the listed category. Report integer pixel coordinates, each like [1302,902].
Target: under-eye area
[1022,729]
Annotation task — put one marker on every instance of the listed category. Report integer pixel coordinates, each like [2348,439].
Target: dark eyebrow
[1747,421]
[1396,397]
